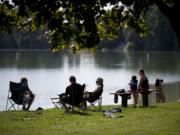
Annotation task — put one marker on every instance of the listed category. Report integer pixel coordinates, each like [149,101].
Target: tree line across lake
[160,36]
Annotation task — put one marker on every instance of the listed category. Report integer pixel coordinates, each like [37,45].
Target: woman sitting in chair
[93,96]
[27,95]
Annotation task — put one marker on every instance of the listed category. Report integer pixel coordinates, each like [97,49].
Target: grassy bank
[159,120]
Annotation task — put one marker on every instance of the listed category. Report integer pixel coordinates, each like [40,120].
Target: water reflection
[110,60]
[30,60]
[152,61]
[48,72]
[157,62]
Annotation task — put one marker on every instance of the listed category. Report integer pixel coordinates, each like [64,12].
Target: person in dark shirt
[73,94]
[143,85]
[27,95]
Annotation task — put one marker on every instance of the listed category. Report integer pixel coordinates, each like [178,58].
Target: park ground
[161,119]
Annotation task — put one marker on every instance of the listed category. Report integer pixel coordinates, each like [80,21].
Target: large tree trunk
[172,13]
[175,23]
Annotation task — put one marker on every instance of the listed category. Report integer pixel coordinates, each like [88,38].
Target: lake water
[48,73]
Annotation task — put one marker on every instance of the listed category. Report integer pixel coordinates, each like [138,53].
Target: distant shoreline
[24,49]
[98,50]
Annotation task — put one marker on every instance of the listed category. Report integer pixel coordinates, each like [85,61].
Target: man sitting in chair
[73,95]
[93,96]
[27,95]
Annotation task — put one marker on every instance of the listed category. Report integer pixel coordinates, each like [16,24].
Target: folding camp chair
[96,105]
[57,103]
[14,96]
[76,101]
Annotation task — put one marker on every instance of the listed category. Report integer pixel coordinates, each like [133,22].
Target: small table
[124,97]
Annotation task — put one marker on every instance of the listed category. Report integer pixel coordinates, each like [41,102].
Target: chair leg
[7,104]
[13,105]
[57,103]
[92,105]
[8,98]
[100,104]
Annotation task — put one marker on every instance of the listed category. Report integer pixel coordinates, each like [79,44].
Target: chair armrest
[54,98]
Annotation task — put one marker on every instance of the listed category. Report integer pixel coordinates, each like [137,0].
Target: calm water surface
[48,73]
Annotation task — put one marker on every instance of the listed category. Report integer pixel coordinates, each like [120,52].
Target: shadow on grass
[114,116]
[77,113]
[152,106]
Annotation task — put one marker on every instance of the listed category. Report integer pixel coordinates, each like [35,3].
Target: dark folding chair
[96,105]
[74,102]
[14,98]
[95,101]
[57,103]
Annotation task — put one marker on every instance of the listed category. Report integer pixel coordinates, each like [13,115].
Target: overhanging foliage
[76,24]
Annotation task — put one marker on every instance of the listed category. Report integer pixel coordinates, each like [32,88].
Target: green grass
[163,119]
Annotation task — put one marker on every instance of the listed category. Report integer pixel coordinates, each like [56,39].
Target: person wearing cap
[93,96]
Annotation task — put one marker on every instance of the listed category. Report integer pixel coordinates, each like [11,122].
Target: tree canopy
[80,24]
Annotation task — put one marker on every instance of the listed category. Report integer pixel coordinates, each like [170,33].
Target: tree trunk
[172,13]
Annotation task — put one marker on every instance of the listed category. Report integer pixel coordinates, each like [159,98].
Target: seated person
[93,96]
[73,95]
[26,94]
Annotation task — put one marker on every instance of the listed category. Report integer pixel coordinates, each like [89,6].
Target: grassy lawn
[163,119]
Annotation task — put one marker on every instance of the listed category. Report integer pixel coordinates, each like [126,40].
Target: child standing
[160,98]
[133,88]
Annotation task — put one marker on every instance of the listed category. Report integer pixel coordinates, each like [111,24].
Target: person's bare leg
[158,98]
[30,102]
[163,98]
[136,97]
[83,105]
[24,107]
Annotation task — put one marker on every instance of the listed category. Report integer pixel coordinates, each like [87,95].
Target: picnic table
[126,94]
[124,97]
